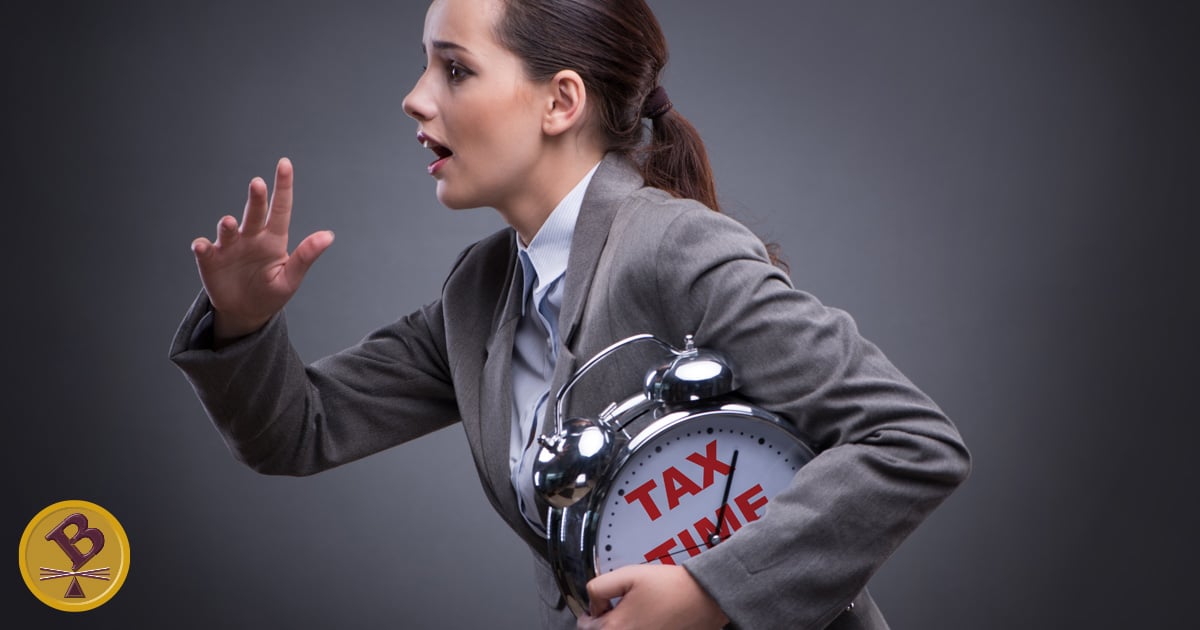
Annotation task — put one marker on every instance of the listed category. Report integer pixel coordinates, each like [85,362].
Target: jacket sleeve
[279,416]
[887,456]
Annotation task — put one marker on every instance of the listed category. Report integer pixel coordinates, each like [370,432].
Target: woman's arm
[282,417]
[887,456]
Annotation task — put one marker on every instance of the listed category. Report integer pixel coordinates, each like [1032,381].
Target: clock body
[674,490]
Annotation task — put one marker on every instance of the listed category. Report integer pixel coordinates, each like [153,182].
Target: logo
[74,556]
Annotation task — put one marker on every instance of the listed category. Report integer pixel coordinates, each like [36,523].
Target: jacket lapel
[616,178]
[495,402]
[609,189]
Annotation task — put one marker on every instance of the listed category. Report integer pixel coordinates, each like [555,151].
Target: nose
[418,104]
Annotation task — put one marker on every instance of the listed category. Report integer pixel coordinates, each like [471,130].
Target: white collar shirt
[535,347]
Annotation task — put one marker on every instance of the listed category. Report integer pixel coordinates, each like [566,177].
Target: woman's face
[474,108]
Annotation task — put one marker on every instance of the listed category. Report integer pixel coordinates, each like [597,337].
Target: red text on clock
[677,484]
[749,504]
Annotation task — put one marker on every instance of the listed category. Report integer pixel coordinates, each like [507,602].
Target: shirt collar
[546,256]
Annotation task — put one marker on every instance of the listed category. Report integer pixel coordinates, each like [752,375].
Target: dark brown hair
[618,48]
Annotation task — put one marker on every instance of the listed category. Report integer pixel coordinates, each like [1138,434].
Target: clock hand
[677,552]
[716,536]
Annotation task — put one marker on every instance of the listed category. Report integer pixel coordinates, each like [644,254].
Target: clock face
[680,491]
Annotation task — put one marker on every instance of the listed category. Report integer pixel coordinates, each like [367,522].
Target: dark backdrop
[1001,193]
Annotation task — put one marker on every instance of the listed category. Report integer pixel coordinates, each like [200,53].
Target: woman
[537,108]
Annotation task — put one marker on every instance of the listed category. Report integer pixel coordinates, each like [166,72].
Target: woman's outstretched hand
[248,273]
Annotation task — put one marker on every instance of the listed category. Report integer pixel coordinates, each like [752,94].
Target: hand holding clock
[652,596]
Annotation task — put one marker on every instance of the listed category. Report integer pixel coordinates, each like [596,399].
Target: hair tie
[657,103]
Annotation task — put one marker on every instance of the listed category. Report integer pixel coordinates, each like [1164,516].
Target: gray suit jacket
[640,261]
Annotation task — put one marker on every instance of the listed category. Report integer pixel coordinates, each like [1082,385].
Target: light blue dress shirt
[535,347]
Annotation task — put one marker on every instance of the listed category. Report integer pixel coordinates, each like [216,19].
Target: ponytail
[675,160]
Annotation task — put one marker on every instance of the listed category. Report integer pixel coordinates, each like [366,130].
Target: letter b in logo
[68,545]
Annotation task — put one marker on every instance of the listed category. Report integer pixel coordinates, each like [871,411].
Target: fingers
[614,584]
[254,217]
[281,199]
[227,231]
[598,606]
[605,587]
[305,255]
[201,247]
[274,216]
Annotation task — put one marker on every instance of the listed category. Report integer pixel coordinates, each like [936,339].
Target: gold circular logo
[74,556]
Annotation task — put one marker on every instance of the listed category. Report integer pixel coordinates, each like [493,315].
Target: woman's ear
[567,104]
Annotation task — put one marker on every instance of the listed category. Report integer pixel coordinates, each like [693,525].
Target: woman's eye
[456,72]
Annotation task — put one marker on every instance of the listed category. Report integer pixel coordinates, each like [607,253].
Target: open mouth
[440,151]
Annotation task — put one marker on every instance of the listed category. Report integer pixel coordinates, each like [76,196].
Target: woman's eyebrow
[444,45]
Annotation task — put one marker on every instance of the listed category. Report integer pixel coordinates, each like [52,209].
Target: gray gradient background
[1001,193]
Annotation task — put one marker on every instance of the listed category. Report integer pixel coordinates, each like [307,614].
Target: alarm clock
[703,465]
